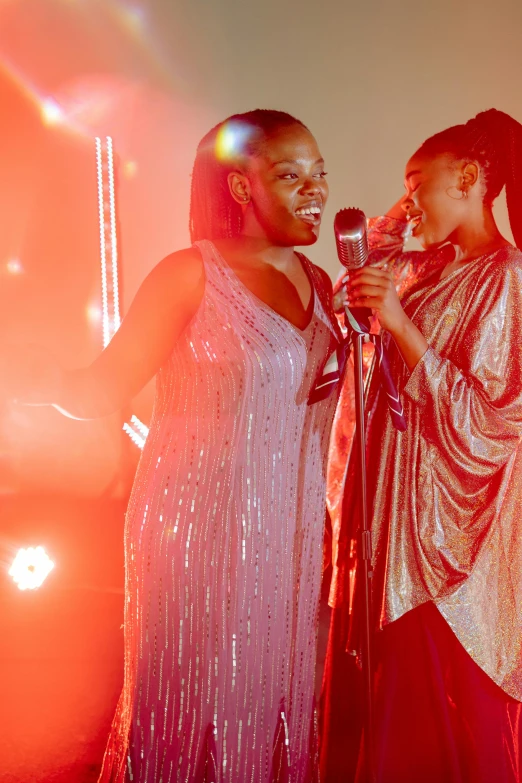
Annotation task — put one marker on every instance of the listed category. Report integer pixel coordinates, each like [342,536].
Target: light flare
[31,567]
[230,140]
[52,112]
[14,266]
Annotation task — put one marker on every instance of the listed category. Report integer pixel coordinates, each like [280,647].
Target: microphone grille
[350,237]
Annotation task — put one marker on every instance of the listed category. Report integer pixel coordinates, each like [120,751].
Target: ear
[470,174]
[239,187]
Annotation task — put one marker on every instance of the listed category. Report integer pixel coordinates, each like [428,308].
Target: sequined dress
[223,542]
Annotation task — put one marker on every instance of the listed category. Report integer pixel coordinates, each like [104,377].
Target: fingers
[366,291]
[368,274]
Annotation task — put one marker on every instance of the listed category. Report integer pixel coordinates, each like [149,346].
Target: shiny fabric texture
[446,495]
[223,541]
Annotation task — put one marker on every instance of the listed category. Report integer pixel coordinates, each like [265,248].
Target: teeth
[308,211]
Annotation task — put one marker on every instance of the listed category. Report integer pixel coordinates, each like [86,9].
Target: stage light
[31,567]
[52,113]
[137,431]
[135,437]
[14,267]
[110,310]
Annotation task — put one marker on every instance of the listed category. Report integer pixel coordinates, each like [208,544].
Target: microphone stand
[358,338]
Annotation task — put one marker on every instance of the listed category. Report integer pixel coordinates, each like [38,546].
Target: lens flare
[31,567]
[230,140]
[52,112]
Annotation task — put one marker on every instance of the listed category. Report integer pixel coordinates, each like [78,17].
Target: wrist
[411,343]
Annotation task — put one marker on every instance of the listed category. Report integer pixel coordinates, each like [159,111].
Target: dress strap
[323,294]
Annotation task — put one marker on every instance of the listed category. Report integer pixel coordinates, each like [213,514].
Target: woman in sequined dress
[446,495]
[224,528]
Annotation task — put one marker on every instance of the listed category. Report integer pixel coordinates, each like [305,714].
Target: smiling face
[287,189]
[441,194]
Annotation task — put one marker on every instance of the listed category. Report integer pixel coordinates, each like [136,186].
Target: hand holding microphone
[369,288]
[374,288]
[366,287]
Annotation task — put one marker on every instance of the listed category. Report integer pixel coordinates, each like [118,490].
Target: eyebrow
[295,162]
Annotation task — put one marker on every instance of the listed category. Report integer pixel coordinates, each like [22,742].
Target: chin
[429,243]
[308,237]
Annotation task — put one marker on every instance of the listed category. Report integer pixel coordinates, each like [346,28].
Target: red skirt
[438,717]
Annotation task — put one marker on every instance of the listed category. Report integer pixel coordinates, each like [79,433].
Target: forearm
[397,211]
[81,395]
[411,343]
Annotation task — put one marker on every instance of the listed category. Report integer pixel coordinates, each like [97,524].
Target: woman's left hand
[374,288]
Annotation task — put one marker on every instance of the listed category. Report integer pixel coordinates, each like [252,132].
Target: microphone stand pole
[365,555]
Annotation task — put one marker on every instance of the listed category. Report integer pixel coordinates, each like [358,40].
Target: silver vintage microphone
[351,238]
[352,248]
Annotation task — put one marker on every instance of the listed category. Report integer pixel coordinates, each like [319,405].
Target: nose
[311,185]
[406,204]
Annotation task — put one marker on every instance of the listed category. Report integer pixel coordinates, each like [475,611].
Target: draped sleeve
[468,405]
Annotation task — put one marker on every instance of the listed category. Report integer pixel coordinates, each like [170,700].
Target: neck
[257,251]
[476,237]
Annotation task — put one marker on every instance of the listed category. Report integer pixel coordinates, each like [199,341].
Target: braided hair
[492,139]
[214,214]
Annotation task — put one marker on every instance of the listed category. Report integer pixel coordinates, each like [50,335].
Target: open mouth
[310,214]
[415,221]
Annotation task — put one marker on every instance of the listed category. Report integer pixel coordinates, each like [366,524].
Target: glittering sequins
[224,549]
[446,495]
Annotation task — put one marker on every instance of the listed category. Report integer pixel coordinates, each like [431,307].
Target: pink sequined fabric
[223,541]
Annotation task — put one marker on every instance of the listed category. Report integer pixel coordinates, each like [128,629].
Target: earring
[462,193]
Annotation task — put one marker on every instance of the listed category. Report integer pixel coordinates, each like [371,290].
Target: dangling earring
[463,193]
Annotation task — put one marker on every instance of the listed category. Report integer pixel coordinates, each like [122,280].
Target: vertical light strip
[103,251]
[114,240]
[136,429]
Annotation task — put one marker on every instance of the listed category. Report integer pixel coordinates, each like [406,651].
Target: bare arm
[397,211]
[166,301]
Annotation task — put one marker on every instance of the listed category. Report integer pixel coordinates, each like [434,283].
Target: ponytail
[494,139]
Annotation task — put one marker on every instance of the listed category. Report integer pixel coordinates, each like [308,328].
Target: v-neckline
[310,308]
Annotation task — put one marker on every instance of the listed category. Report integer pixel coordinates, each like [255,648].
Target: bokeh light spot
[94,313]
[130,169]
[31,567]
[14,266]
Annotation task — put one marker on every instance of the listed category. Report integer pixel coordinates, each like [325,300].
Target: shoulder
[182,265]
[179,272]
[504,265]
[176,282]
[498,286]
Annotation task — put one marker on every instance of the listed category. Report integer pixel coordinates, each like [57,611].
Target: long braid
[494,140]
[214,214]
